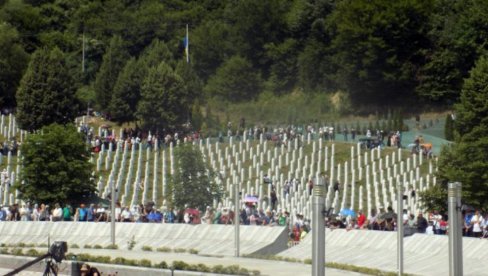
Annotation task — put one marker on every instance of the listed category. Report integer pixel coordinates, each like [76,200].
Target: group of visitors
[475,224]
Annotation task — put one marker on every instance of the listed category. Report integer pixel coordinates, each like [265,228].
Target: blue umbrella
[347,212]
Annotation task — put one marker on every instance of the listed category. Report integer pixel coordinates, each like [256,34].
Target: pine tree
[113,63]
[163,99]
[127,92]
[47,93]
[449,128]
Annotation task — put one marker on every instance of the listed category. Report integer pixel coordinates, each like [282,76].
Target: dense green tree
[458,36]
[13,62]
[193,183]
[163,99]
[113,62]
[235,80]
[466,160]
[26,19]
[46,93]
[377,46]
[449,128]
[55,167]
[127,92]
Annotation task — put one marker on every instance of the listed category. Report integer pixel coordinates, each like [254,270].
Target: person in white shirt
[100,213]
[126,215]
[57,212]
[477,222]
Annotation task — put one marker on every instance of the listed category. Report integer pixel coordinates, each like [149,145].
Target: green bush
[112,246]
[162,265]
[87,246]
[147,248]
[179,250]
[193,251]
[21,244]
[179,265]
[163,249]
[131,243]
[97,246]
[145,263]
[32,252]
[17,252]
[4,251]
[74,246]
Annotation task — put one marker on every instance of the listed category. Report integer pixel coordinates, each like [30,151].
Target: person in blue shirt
[90,214]
[82,213]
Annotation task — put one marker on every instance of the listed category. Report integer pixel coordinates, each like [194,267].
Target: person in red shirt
[361,220]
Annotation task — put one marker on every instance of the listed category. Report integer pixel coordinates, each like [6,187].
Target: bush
[163,249]
[32,252]
[145,263]
[75,246]
[97,246]
[147,248]
[179,250]
[193,251]
[112,246]
[162,265]
[87,246]
[179,265]
[17,252]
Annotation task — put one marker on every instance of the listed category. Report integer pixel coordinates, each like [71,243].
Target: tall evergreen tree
[46,93]
[126,92]
[163,99]
[466,160]
[113,62]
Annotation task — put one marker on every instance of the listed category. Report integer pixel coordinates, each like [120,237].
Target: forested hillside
[127,58]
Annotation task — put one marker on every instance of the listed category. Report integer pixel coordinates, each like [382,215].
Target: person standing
[477,224]
[421,224]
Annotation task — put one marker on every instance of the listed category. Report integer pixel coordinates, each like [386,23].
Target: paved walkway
[266,267]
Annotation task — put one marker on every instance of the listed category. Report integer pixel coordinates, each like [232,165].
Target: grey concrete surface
[423,254]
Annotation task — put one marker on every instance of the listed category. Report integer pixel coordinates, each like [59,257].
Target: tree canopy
[192,184]
[47,92]
[56,167]
[378,53]
[466,160]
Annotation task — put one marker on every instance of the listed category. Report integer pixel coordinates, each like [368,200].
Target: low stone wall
[423,254]
[207,239]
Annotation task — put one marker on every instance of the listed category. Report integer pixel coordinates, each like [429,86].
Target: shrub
[145,263]
[32,252]
[163,249]
[75,246]
[179,250]
[131,243]
[112,246]
[97,246]
[179,265]
[193,251]
[147,248]
[17,252]
[87,246]
[162,265]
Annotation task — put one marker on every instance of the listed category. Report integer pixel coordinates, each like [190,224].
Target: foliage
[163,103]
[47,93]
[55,167]
[449,128]
[435,198]
[466,160]
[13,62]
[192,184]
[235,80]
[113,62]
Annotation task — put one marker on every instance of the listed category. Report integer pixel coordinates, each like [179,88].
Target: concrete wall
[207,239]
[423,254]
